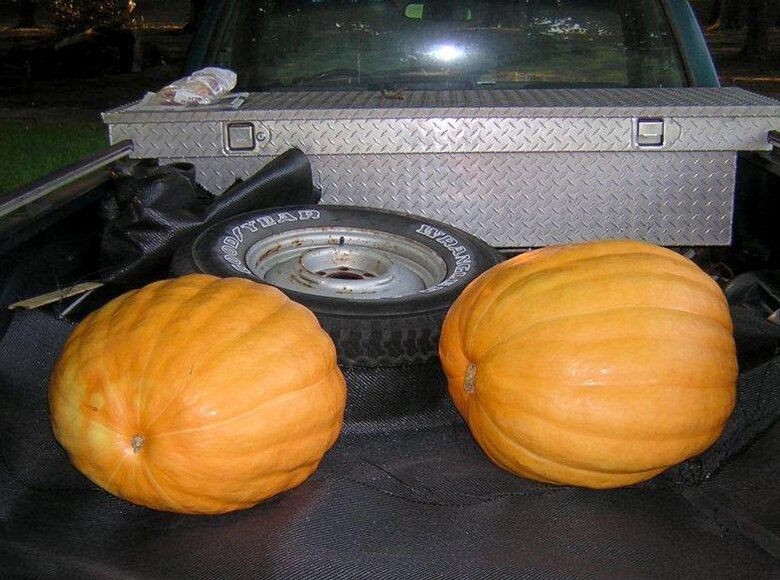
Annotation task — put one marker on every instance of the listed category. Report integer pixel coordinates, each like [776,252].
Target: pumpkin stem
[137,442]
[471,374]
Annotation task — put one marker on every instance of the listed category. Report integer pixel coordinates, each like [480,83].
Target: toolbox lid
[375,122]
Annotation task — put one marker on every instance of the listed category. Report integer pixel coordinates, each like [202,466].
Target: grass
[32,147]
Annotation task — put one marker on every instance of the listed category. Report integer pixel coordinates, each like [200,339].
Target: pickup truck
[438,137]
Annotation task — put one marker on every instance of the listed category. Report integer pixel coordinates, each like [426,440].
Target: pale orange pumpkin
[598,364]
[198,395]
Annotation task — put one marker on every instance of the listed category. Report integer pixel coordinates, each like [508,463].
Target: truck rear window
[468,44]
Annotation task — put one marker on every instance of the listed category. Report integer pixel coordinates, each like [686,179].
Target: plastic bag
[202,87]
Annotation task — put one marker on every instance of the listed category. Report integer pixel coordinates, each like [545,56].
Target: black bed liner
[414,499]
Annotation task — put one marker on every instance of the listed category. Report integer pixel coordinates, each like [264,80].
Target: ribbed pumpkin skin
[198,395]
[598,364]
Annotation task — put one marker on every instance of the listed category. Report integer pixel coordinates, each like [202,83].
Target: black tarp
[154,210]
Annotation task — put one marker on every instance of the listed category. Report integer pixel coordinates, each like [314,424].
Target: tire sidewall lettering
[461,261]
[463,258]
[233,241]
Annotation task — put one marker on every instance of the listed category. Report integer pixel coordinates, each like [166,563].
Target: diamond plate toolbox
[519,168]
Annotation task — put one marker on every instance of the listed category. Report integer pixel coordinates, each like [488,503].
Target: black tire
[367,333]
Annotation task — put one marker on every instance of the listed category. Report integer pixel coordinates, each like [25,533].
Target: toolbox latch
[240,136]
[649,132]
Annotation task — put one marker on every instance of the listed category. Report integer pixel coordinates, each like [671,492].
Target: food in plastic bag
[202,87]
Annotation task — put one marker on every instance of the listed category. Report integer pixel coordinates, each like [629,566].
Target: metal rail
[42,203]
[68,175]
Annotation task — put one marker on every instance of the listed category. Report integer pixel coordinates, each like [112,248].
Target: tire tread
[392,341]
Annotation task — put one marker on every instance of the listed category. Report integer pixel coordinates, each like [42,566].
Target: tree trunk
[732,16]
[27,14]
[757,46]
[196,8]
[715,11]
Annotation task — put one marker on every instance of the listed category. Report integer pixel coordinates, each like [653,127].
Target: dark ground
[50,101]
[725,46]
[36,80]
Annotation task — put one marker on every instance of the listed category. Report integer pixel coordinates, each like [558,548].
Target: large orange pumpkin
[598,364]
[198,395]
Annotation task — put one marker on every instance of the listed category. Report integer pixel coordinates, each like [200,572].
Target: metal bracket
[773,138]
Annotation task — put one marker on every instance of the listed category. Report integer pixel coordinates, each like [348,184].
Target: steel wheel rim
[349,263]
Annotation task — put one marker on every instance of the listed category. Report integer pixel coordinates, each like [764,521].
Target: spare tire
[380,282]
